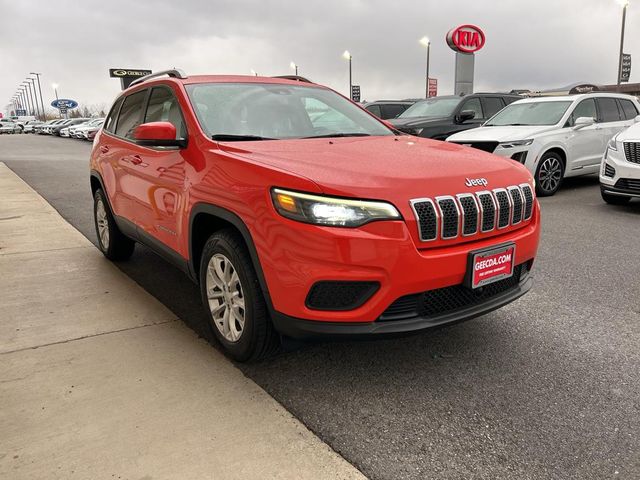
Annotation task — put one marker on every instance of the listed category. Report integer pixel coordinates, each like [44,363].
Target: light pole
[23,89]
[294,67]
[254,73]
[55,90]
[40,91]
[625,4]
[424,41]
[33,104]
[346,55]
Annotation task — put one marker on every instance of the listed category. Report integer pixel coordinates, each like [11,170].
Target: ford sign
[64,104]
[465,39]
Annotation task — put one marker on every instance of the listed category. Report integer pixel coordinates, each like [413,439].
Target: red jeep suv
[298,212]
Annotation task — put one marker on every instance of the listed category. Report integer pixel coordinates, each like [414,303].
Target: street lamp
[254,73]
[33,104]
[294,67]
[625,4]
[23,88]
[424,41]
[40,92]
[55,89]
[347,56]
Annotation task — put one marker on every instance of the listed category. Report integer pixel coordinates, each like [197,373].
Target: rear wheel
[549,174]
[614,199]
[111,241]
[232,296]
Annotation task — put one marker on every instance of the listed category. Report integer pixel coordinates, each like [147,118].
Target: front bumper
[303,329]
[381,252]
[622,169]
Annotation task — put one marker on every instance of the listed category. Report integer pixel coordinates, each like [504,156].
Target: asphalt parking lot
[547,387]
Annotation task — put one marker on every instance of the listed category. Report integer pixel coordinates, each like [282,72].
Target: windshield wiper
[338,135]
[229,137]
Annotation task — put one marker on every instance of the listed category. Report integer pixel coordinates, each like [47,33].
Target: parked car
[555,137]
[91,132]
[439,117]
[45,129]
[386,109]
[77,131]
[620,167]
[30,126]
[294,227]
[10,127]
[55,129]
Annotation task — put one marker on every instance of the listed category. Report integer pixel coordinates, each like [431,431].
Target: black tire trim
[239,224]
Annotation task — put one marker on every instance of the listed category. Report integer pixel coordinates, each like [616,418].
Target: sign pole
[624,18]
[428,52]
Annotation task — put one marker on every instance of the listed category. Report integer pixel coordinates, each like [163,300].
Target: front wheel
[112,242]
[549,174]
[233,298]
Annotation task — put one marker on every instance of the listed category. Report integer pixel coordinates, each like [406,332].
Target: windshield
[529,113]
[255,111]
[434,107]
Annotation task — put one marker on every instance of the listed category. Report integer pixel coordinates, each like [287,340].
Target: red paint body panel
[157,190]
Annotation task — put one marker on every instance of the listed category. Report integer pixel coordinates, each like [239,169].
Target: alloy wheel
[550,174]
[103,224]
[225,296]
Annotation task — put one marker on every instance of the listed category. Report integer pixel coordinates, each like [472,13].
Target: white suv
[620,169]
[554,137]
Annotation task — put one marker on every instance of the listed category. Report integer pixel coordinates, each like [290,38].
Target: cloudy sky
[530,44]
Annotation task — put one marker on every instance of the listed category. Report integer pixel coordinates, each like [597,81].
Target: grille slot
[609,171]
[527,192]
[632,151]
[427,218]
[470,213]
[450,215]
[488,205]
[632,184]
[504,207]
[434,303]
[516,201]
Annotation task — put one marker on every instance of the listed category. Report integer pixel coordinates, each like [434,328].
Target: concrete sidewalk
[99,380]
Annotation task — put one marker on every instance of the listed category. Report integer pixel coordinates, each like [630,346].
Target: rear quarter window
[110,122]
[628,108]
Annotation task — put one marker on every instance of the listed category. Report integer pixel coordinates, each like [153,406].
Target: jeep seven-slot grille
[467,213]
[632,151]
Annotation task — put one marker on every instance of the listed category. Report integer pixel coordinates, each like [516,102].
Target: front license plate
[491,265]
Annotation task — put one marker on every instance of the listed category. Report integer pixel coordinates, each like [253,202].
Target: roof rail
[173,73]
[295,78]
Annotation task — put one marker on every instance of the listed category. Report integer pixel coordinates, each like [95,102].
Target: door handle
[104,149]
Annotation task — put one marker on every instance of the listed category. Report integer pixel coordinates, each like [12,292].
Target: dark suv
[439,117]
[386,109]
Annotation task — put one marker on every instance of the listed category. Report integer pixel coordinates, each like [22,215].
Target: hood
[631,134]
[392,168]
[414,121]
[499,134]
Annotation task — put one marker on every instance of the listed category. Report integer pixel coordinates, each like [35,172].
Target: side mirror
[157,134]
[465,115]
[637,119]
[582,122]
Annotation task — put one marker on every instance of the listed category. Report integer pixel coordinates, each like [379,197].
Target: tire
[614,199]
[112,242]
[231,294]
[549,174]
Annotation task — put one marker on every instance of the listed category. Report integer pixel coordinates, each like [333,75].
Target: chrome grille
[632,151]
[466,214]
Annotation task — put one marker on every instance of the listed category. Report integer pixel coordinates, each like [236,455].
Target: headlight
[612,143]
[516,143]
[337,212]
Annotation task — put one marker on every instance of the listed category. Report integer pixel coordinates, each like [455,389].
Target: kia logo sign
[465,39]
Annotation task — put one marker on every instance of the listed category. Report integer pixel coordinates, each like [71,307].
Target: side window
[628,108]
[375,109]
[608,110]
[509,100]
[586,108]
[163,107]
[130,114]
[473,104]
[392,110]
[492,105]
[110,122]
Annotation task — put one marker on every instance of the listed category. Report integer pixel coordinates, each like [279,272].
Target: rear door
[612,119]
[584,146]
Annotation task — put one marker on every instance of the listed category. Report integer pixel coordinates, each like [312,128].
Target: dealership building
[627,88]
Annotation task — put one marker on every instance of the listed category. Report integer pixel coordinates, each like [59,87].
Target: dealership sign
[625,72]
[64,104]
[433,87]
[128,75]
[465,39]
